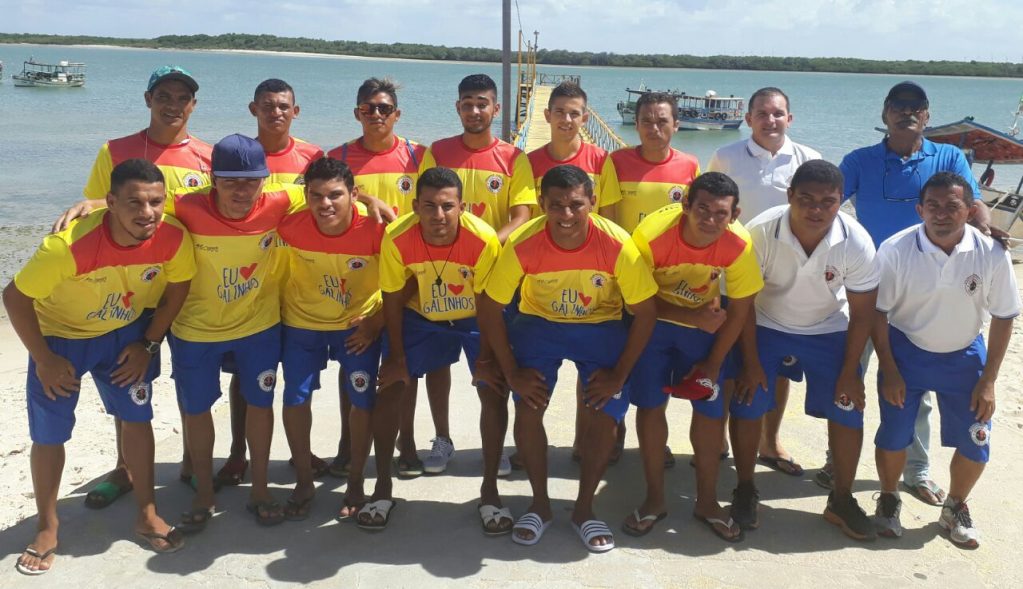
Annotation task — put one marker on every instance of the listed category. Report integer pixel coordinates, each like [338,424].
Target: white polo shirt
[941,301]
[803,294]
[763,178]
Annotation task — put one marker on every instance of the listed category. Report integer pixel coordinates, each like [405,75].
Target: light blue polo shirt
[887,188]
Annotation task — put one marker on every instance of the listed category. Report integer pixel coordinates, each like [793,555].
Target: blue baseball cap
[906,87]
[172,72]
[238,156]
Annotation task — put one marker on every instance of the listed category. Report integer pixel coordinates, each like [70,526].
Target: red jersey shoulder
[95,248]
[362,238]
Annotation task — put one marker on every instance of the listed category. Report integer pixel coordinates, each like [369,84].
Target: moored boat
[63,74]
[702,113]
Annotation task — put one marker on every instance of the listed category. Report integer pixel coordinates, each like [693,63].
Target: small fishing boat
[63,74]
[701,113]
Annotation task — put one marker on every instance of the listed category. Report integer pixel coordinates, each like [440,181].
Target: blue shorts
[669,356]
[305,354]
[196,369]
[820,357]
[543,345]
[951,376]
[51,422]
[430,345]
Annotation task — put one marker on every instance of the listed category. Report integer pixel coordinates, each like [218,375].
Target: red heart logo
[247,271]
[700,289]
[478,208]
[395,209]
[343,281]
[456,288]
[126,299]
[585,299]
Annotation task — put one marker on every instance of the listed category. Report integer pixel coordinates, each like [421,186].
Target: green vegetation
[544,56]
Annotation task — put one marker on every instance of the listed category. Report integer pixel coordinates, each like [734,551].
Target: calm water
[50,136]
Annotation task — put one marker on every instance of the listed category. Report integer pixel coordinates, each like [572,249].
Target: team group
[654,279]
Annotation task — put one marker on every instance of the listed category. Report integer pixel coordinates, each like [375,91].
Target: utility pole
[506,105]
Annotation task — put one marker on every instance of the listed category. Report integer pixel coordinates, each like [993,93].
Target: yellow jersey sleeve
[523,185]
[484,267]
[181,267]
[428,161]
[99,178]
[51,264]
[742,276]
[505,276]
[393,271]
[608,190]
[635,278]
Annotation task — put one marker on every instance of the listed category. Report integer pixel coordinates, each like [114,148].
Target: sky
[960,30]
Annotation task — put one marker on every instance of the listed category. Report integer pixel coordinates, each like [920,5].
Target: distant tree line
[544,56]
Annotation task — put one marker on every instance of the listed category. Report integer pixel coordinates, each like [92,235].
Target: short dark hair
[374,86]
[566,89]
[273,86]
[715,184]
[134,170]
[566,176]
[820,171]
[766,93]
[477,82]
[328,168]
[948,180]
[439,178]
[658,98]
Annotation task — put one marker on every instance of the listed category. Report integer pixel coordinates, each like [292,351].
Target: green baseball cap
[172,72]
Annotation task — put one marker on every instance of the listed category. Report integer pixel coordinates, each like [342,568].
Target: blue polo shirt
[888,188]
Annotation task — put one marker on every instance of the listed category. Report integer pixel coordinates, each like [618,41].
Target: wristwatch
[151,346]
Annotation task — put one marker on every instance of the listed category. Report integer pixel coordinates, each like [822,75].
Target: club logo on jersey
[266,380]
[972,284]
[150,273]
[360,381]
[709,385]
[299,180]
[236,282]
[494,183]
[598,280]
[192,180]
[844,403]
[267,241]
[830,274]
[405,184]
[980,433]
[676,193]
[356,264]
[139,393]
[465,272]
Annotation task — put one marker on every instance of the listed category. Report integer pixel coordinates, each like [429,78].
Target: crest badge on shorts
[266,380]
[360,381]
[139,393]
[980,433]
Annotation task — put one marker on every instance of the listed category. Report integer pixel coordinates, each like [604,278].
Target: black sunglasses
[367,108]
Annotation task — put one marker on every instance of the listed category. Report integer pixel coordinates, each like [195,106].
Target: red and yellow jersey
[449,277]
[584,285]
[333,279]
[494,179]
[388,175]
[233,294]
[288,165]
[591,159]
[85,285]
[688,276]
[185,165]
[646,186]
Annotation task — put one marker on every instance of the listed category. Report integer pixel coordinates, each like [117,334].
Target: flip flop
[174,539]
[319,466]
[298,510]
[533,523]
[232,473]
[194,520]
[638,532]
[713,523]
[494,515]
[783,465]
[927,491]
[381,507]
[594,528]
[409,469]
[104,494]
[339,467]
[42,558]
[268,508]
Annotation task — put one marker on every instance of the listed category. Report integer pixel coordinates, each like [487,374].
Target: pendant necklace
[439,281]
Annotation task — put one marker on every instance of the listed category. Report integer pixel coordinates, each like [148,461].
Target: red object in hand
[696,387]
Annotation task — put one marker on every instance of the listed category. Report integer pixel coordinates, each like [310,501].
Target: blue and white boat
[701,113]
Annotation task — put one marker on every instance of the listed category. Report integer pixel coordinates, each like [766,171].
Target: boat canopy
[984,143]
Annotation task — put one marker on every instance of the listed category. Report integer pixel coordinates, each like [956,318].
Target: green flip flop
[104,494]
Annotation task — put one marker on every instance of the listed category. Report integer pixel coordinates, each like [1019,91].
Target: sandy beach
[434,539]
